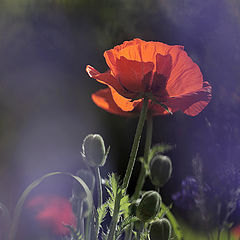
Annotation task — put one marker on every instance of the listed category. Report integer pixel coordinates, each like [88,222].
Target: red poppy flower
[166,74]
[53,212]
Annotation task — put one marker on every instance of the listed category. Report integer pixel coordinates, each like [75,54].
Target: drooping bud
[78,190]
[93,150]
[79,194]
[149,206]
[160,170]
[160,229]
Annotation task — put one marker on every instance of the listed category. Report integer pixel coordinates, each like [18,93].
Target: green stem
[129,170]
[136,142]
[139,232]
[87,227]
[99,192]
[98,185]
[148,142]
[128,233]
[114,220]
[80,221]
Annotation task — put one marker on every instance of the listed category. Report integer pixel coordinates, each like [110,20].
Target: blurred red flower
[53,212]
[236,232]
[164,73]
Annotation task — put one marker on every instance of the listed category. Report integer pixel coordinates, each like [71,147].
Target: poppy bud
[160,170]
[133,207]
[160,229]
[149,206]
[93,150]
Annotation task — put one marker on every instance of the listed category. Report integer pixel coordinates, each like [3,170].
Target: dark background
[45,104]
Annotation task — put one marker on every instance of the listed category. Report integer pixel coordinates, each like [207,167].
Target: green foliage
[123,226]
[101,213]
[190,234]
[113,188]
[75,235]
[175,226]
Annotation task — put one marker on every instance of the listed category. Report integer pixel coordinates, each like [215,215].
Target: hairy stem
[148,142]
[136,142]
[98,185]
[130,166]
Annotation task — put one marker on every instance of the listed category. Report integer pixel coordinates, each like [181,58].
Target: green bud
[93,150]
[160,229]
[149,206]
[133,207]
[160,170]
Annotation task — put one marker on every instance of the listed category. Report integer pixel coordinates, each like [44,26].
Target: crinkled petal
[134,76]
[137,50]
[105,78]
[191,103]
[103,99]
[161,75]
[108,79]
[185,76]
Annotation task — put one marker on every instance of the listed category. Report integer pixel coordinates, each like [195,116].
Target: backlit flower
[53,212]
[165,74]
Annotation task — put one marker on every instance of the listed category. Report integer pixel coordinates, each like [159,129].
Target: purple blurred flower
[189,195]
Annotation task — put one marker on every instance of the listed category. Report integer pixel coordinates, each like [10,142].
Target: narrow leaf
[173,221]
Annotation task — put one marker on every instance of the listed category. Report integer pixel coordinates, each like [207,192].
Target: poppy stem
[99,192]
[98,185]
[136,142]
[148,142]
[129,170]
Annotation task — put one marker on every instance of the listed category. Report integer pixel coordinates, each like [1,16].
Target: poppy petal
[134,76]
[185,76]
[160,78]
[105,78]
[137,50]
[103,99]
[190,103]
[124,103]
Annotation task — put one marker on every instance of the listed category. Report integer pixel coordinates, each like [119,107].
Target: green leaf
[75,235]
[124,225]
[101,213]
[173,221]
[164,211]
[113,188]
[19,206]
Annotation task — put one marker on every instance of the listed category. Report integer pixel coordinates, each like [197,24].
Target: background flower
[53,212]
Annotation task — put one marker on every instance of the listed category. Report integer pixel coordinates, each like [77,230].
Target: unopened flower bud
[149,206]
[160,229]
[160,170]
[93,150]
[133,207]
